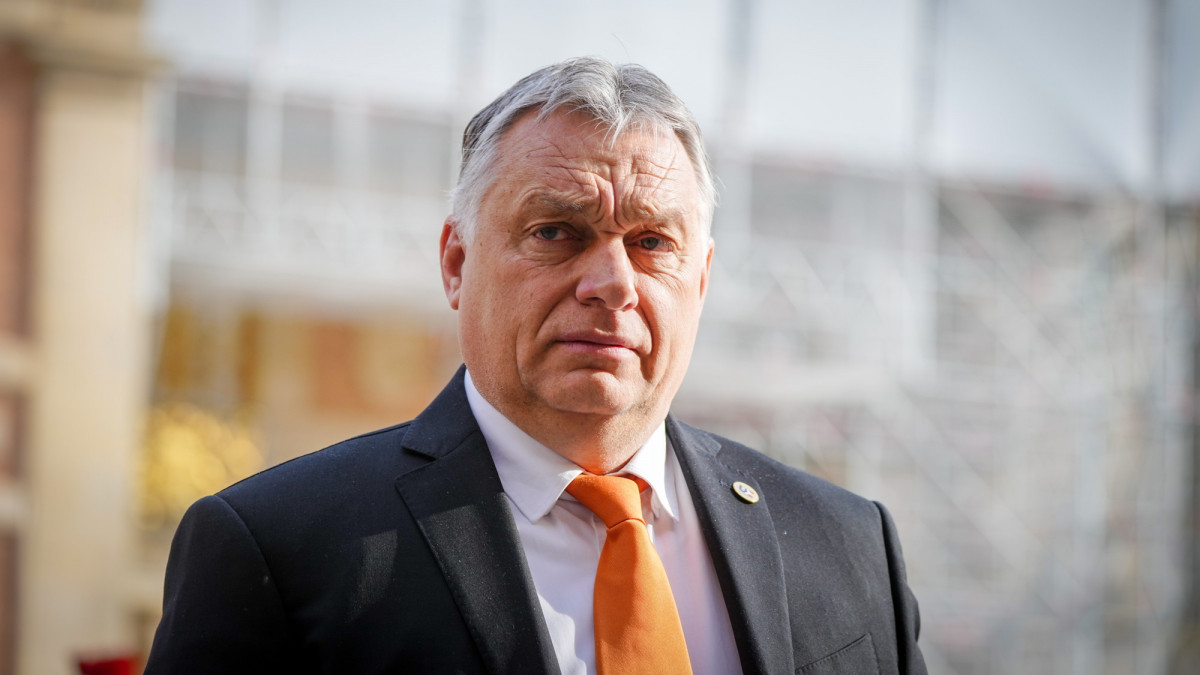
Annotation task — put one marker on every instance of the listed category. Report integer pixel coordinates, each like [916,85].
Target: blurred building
[955,272]
[989,337]
[74,327]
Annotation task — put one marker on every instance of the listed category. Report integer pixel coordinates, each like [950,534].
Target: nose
[608,278]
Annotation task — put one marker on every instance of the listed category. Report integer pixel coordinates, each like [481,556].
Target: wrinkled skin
[580,294]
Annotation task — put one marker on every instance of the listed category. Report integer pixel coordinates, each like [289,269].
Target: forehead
[572,155]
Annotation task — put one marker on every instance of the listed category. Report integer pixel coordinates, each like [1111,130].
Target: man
[471,539]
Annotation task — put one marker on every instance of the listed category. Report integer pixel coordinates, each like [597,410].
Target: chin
[593,393]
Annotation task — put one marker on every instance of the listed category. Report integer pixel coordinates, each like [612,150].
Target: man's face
[581,291]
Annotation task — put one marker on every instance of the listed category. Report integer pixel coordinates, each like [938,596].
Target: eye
[652,243]
[550,233]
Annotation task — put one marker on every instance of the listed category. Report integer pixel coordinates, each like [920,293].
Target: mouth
[588,342]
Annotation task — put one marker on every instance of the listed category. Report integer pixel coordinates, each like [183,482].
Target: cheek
[672,316]
[520,304]
[672,301]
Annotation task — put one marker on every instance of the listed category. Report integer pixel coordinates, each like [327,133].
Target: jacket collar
[745,552]
[459,505]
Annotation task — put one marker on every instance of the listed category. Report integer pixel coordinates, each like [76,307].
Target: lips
[597,338]
[597,343]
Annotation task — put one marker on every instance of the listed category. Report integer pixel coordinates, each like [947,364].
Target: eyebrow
[543,201]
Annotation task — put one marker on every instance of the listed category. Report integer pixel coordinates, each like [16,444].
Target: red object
[116,665]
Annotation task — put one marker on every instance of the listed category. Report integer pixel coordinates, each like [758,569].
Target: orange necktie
[637,625]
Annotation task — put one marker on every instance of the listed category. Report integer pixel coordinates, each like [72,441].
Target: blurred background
[955,272]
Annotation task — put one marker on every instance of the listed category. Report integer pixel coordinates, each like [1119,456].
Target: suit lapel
[741,540]
[459,505]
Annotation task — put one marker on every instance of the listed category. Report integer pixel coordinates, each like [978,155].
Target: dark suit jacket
[396,551]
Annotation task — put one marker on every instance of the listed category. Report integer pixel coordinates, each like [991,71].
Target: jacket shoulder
[365,455]
[318,493]
[783,482]
[761,464]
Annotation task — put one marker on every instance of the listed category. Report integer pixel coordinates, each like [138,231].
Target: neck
[597,444]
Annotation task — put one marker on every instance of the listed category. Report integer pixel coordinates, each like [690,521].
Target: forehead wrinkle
[654,195]
[559,187]
[586,186]
[549,149]
[628,187]
[570,196]
[654,212]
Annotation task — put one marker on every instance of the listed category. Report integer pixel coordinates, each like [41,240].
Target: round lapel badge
[745,492]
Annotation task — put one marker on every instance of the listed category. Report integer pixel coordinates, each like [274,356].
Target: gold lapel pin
[745,492]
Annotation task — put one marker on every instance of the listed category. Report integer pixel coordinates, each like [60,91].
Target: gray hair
[617,97]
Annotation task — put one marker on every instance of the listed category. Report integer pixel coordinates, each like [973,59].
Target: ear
[707,268]
[453,256]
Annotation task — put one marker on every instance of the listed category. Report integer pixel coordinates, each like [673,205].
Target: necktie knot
[614,499]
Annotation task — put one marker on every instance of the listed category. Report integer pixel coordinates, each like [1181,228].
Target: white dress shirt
[562,539]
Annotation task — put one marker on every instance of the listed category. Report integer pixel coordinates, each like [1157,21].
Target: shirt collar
[534,476]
